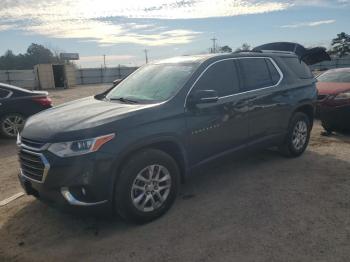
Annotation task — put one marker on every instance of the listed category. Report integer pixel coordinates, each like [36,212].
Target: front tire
[298,136]
[147,186]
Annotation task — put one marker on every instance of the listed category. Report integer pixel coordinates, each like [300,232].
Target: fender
[147,143]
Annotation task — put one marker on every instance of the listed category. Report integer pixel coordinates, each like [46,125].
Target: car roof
[185,59]
[198,59]
[14,88]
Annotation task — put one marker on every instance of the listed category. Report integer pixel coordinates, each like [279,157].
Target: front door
[216,128]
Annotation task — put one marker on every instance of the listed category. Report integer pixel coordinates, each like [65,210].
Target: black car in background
[16,105]
[128,149]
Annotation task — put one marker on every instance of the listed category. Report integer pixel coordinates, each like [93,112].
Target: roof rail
[277,52]
[247,51]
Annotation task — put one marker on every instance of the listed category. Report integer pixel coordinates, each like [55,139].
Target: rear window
[258,73]
[298,67]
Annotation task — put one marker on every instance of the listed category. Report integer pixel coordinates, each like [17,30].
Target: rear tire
[147,186]
[11,125]
[298,136]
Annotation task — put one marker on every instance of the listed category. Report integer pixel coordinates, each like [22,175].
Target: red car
[333,105]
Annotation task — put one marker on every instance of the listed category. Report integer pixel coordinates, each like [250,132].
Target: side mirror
[204,97]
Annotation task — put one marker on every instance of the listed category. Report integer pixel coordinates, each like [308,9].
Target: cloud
[6,27]
[92,20]
[323,3]
[309,24]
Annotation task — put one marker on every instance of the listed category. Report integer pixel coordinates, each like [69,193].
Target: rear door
[214,129]
[261,87]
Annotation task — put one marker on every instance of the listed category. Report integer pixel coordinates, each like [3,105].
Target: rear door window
[298,67]
[221,77]
[257,73]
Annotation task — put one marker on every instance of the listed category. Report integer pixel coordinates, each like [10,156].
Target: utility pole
[214,44]
[146,55]
[104,60]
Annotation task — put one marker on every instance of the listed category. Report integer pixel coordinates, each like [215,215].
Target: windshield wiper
[123,99]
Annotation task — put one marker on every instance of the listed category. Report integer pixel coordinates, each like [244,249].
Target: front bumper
[81,182]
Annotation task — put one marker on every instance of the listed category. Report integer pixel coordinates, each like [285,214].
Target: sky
[122,30]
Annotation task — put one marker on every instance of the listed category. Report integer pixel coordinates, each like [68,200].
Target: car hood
[329,88]
[81,115]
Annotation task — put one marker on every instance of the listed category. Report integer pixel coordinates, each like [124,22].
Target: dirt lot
[261,207]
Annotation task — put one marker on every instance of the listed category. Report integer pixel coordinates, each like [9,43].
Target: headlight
[342,96]
[80,147]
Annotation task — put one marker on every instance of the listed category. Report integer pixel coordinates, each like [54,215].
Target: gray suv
[127,150]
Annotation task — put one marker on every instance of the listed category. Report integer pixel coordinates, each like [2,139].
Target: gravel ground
[260,207]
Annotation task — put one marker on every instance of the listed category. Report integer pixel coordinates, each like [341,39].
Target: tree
[36,54]
[225,49]
[341,45]
[244,47]
[9,58]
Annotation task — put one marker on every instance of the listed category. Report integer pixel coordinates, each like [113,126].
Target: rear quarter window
[275,76]
[298,67]
[4,93]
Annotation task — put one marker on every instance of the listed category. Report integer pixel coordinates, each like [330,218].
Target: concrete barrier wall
[21,78]
[27,78]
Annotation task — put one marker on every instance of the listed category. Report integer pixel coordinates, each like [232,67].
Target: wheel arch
[307,109]
[169,145]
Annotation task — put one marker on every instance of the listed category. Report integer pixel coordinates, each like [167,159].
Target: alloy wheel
[12,125]
[151,188]
[299,135]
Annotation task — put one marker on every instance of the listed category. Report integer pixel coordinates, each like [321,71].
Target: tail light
[44,100]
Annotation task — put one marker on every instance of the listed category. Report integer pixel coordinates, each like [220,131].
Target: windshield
[335,76]
[153,82]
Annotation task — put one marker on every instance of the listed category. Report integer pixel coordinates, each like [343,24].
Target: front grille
[32,165]
[32,143]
